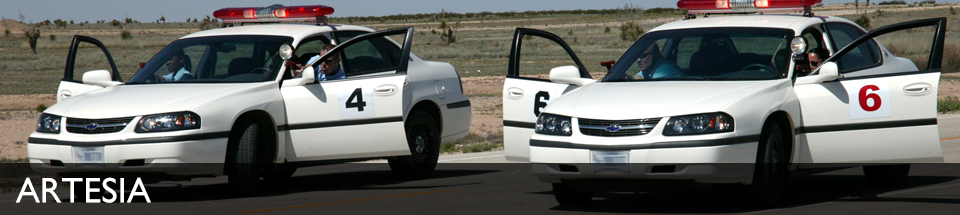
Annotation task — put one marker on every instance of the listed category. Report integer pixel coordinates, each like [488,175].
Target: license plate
[88,154]
[610,161]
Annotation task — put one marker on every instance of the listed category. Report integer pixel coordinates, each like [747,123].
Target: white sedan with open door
[225,102]
[717,100]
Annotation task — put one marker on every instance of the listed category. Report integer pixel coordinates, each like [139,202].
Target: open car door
[875,118]
[527,89]
[84,57]
[323,117]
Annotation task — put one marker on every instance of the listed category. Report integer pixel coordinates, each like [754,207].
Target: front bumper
[721,160]
[184,158]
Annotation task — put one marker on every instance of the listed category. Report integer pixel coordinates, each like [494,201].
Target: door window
[538,53]
[864,56]
[89,57]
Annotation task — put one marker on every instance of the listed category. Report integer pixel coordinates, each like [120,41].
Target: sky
[180,10]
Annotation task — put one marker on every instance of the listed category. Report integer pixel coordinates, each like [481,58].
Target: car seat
[240,65]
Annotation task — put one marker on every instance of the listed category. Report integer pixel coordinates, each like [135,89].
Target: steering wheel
[763,68]
[260,70]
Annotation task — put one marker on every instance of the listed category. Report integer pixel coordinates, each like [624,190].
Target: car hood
[136,100]
[637,100]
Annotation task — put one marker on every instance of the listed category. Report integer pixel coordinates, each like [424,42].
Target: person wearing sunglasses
[815,57]
[653,66]
[328,70]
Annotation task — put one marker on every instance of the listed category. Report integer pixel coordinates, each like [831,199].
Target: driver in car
[177,66]
[329,69]
[652,65]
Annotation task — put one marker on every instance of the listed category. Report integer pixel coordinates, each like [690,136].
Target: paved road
[463,184]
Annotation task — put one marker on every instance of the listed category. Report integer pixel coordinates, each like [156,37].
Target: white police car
[716,100]
[236,104]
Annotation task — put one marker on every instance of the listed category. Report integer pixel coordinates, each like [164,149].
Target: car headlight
[168,122]
[48,123]
[699,124]
[553,125]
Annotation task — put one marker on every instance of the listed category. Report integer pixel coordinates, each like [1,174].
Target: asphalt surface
[484,183]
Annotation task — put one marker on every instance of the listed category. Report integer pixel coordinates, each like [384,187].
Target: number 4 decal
[358,95]
[352,103]
[868,98]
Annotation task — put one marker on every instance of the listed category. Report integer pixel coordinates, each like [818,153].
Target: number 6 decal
[868,98]
[872,96]
[357,103]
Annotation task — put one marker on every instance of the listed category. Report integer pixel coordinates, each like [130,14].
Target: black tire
[243,175]
[280,175]
[424,141]
[770,172]
[887,175]
[567,196]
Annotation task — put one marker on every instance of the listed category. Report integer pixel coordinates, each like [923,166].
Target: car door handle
[917,88]
[514,92]
[388,89]
[66,94]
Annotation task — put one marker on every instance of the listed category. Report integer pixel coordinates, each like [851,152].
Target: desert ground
[480,55]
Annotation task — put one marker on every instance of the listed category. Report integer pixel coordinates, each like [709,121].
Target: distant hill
[15,26]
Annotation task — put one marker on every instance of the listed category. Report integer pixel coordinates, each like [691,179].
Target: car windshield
[220,59]
[706,54]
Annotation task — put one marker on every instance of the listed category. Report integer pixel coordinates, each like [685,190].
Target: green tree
[163,19]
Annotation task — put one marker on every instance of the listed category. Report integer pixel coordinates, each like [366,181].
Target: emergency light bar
[273,13]
[744,6]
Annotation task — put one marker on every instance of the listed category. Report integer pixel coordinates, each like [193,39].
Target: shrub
[41,108]
[126,35]
[894,2]
[606,30]
[863,21]
[570,33]
[950,104]
[630,31]
[6,32]
[53,37]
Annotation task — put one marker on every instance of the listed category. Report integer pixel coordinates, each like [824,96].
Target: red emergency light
[744,6]
[273,13]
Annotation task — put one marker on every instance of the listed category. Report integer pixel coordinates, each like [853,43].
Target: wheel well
[786,128]
[431,108]
[266,138]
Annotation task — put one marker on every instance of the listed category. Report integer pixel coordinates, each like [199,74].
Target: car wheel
[280,175]
[243,175]
[770,171]
[567,196]
[887,175]
[424,141]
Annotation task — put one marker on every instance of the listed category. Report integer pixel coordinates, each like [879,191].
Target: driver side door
[360,116]
[527,89]
[86,54]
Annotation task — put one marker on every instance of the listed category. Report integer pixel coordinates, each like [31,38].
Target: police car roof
[796,22]
[297,31]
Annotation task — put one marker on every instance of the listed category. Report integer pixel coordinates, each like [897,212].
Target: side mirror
[305,78]
[827,72]
[99,78]
[568,75]
[286,51]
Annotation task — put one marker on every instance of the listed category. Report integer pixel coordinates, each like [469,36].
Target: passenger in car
[177,66]
[652,65]
[328,70]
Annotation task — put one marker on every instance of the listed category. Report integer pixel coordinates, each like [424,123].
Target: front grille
[594,127]
[80,126]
